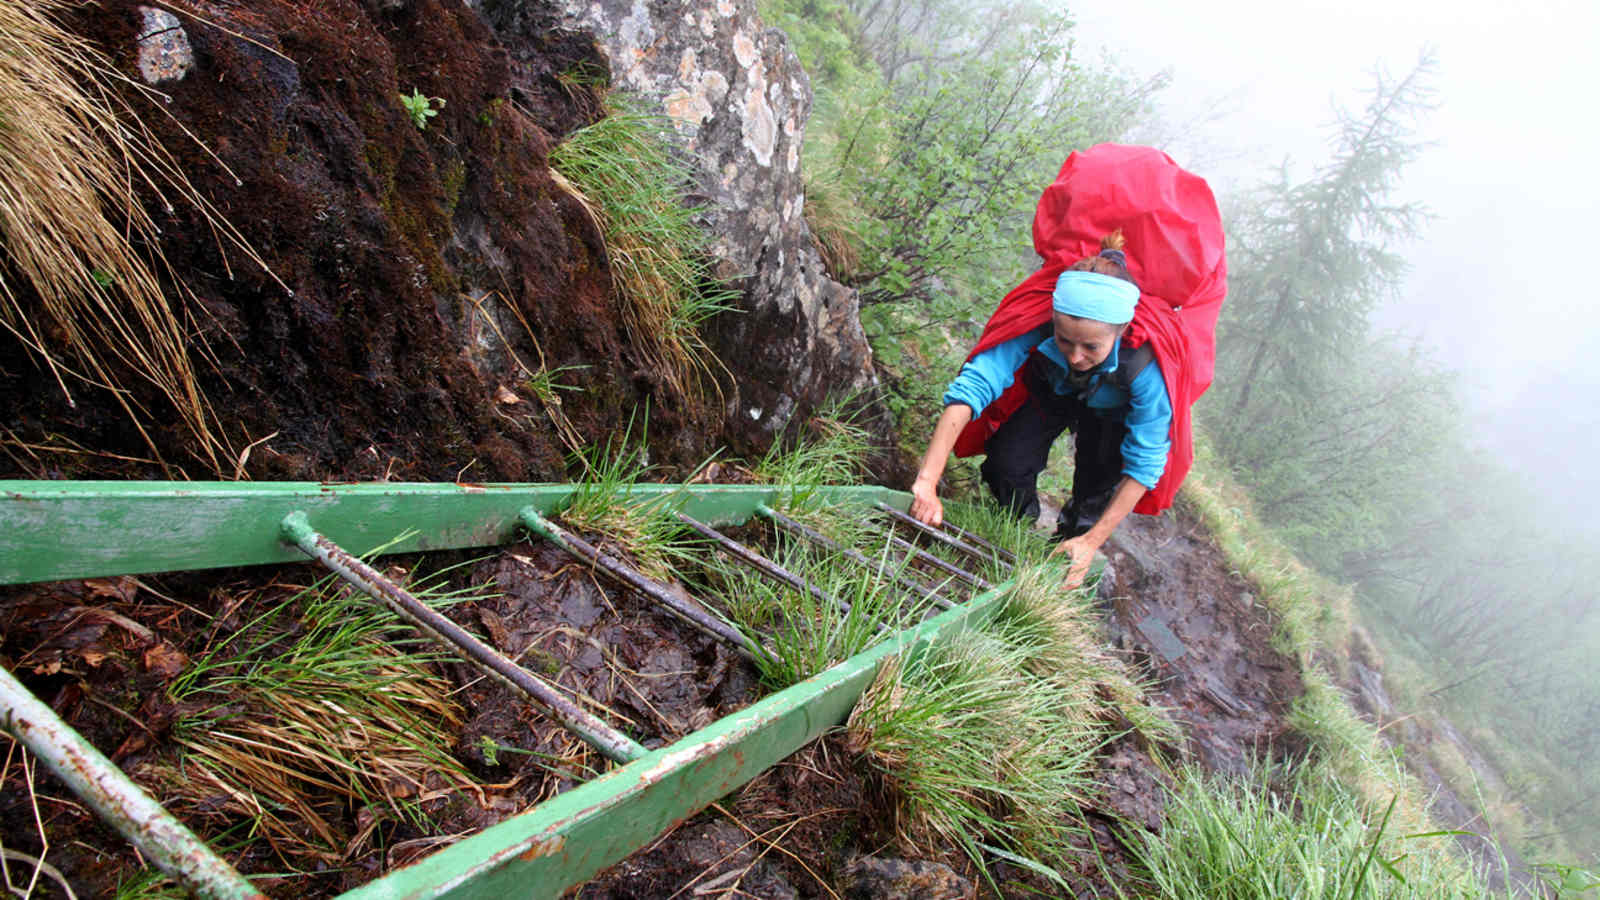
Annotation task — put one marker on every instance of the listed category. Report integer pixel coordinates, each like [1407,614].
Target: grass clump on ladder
[990,739]
[321,723]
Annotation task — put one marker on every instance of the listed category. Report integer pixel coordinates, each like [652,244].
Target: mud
[1197,629]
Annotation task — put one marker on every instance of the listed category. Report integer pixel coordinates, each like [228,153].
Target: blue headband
[1090,295]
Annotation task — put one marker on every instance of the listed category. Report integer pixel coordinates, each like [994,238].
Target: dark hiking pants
[1016,453]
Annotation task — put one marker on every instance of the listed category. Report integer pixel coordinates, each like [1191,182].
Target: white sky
[1500,283]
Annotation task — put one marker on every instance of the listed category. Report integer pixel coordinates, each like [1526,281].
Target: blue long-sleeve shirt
[1145,406]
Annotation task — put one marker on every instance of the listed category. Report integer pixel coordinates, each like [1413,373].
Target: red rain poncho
[1175,253]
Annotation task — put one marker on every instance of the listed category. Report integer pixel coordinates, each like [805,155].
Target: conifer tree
[1314,258]
[1310,405]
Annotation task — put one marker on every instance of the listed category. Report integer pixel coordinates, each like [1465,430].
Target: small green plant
[420,107]
[1568,882]
[604,506]
[491,111]
[544,385]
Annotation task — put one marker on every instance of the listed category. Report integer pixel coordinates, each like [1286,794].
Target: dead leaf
[165,660]
[49,668]
[122,588]
[498,635]
[93,657]
[505,397]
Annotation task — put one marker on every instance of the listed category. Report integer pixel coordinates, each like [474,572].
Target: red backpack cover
[1175,253]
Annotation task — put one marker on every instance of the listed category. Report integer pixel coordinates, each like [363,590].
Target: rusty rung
[760,563]
[982,543]
[613,744]
[935,533]
[913,587]
[160,836]
[924,556]
[682,606]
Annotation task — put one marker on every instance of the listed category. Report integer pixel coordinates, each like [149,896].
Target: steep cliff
[431,271]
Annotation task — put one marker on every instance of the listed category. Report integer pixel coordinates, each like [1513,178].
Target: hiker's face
[1084,342]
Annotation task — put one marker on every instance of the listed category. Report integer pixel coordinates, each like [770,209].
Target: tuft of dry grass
[834,222]
[73,154]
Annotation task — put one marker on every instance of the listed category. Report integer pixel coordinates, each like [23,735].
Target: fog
[1500,285]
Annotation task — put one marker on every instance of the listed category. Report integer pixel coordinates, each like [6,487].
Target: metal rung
[683,606]
[982,543]
[761,563]
[615,745]
[935,533]
[768,567]
[911,586]
[923,556]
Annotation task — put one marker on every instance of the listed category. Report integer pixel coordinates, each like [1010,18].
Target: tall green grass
[603,505]
[832,449]
[977,752]
[320,705]
[805,634]
[1295,834]
[625,171]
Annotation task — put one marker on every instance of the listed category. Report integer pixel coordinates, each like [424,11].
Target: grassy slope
[1323,627]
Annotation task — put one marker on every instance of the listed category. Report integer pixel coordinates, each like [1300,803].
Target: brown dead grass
[74,156]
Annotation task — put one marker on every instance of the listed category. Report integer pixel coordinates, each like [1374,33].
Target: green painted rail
[60,530]
[56,530]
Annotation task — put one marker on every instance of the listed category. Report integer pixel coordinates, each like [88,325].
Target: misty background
[1496,289]
[1402,400]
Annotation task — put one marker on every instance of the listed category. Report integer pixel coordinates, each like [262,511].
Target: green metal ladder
[57,530]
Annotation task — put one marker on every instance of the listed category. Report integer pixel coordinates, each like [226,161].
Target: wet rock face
[1206,644]
[738,99]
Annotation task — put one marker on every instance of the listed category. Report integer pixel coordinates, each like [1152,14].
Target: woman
[1078,376]
[1113,340]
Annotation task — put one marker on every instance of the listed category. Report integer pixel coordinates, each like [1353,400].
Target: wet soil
[1198,629]
[415,278]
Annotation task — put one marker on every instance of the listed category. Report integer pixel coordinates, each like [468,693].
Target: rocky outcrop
[738,99]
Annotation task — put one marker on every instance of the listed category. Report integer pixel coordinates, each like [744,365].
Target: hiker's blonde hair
[1111,260]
